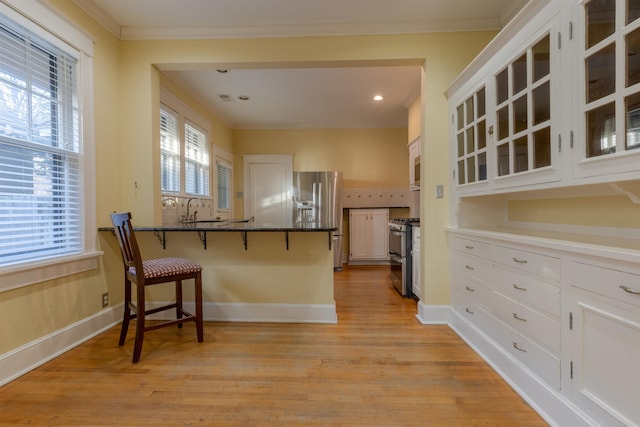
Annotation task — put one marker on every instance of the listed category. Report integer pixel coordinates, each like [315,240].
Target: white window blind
[169,152]
[41,208]
[196,161]
[224,185]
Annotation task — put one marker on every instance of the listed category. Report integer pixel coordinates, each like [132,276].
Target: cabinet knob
[490,130]
[520,288]
[517,347]
[522,319]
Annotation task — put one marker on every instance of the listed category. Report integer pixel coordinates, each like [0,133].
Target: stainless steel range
[400,239]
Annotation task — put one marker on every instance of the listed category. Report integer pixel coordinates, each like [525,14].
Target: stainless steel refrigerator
[317,200]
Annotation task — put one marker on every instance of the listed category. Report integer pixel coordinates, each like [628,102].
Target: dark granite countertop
[233,225]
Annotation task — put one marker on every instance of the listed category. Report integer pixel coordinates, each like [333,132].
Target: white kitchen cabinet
[368,235]
[414,164]
[606,127]
[416,262]
[553,101]
[558,317]
[605,340]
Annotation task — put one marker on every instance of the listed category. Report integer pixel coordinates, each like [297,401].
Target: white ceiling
[324,96]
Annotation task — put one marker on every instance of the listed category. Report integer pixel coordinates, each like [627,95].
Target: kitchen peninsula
[251,272]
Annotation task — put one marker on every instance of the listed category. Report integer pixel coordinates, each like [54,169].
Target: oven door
[397,272]
[396,242]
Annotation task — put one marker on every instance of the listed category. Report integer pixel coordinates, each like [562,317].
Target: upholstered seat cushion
[162,267]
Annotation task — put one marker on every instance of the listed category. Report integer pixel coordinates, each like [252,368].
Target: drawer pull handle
[470,289]
[517,347]
[630,290]
[519,260]
[515,316]
[520,288]
[468,267]
[469,311]
[469,247]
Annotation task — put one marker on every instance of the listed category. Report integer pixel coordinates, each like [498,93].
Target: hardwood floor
[377,367]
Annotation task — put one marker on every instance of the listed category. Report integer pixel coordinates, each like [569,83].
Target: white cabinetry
[414,164]
[415,266]
[605,340]
[368,235]
[554,101]
[562,326]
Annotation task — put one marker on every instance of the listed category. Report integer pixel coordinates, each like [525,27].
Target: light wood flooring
[377,367]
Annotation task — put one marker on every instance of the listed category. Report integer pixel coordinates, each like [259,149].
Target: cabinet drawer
[542,363]
[472,290]
[543,266]
[472,247]
[536,326]
[606,281]
[471,266]
[527,290]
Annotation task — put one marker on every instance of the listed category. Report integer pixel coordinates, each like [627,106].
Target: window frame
[56,30]
[185,115]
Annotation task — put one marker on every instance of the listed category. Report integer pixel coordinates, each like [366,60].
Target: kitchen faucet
[188,217]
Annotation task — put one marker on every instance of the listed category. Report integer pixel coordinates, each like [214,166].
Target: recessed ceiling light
[222,71]
[243,98]
[378,98]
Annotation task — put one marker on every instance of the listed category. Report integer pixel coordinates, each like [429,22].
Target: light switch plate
[439,191]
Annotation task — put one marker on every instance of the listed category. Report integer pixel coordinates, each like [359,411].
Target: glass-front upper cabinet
[610,90]
[471,139]
[523,111]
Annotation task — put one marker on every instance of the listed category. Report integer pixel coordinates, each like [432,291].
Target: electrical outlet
[105,299]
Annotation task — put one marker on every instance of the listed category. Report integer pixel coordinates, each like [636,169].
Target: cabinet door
[525,90]
[608,125]
[358,232]
[605,363]
[379,234]
[414,164]
[369,234]
[470,139]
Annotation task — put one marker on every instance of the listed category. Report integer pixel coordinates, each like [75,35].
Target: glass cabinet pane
[541,58]
[601,73]
[542,148]
[601,130]
[541,104]
[482,135]
[502,86]
[503,159]
[471,169]
[480,104]
[470,110]
[460,117]
[601,18]
[633,10]
[521,155]
[461,144]
[632,106]
[520,114]
[519,70]
[633,57]
[470,140]
[503,123]
[482,166]
[461,174]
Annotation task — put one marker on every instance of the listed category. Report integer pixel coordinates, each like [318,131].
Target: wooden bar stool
[155,271]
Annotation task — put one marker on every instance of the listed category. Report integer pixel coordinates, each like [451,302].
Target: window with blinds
[224,185]
[196,161]
[41,206]
[169,152]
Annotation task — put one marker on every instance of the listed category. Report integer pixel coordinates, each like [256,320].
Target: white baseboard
[433,314]
[244,312]
[25,358]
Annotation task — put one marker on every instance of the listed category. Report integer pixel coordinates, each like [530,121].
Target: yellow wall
[127,85]
[601,211]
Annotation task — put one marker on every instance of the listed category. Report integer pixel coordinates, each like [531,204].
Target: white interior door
[267,188]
